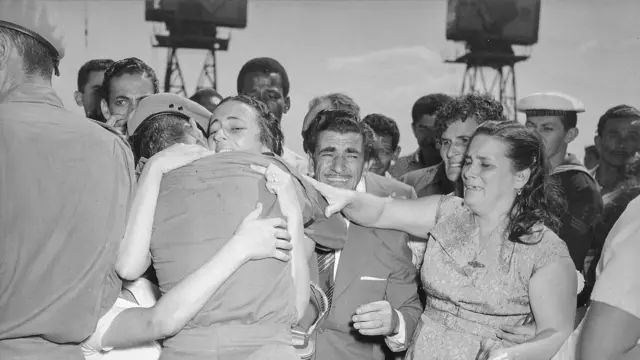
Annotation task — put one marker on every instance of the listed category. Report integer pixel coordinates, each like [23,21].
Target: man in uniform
[554,117]
[65,186]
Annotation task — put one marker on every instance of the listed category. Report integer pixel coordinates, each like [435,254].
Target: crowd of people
[161,227]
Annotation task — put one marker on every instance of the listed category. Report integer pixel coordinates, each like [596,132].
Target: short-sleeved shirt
[617,283]
[65,187]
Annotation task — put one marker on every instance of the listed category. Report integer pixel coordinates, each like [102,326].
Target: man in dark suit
[371,282]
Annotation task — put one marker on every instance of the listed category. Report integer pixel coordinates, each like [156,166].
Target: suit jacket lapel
[360,245]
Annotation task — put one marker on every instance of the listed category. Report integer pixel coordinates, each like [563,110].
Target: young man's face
[125,93]
[424,131]
[386,155]
[268,89]
[453,146]
[551,130]
[619,141]
[89,96]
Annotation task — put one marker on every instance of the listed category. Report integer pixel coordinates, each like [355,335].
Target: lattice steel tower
[194,24]
[489,29]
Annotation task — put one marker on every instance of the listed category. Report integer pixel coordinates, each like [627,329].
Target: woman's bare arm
[414,216]
[552,293]
[134,257]
[609,333]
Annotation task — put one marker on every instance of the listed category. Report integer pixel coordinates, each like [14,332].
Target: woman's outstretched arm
[414,216]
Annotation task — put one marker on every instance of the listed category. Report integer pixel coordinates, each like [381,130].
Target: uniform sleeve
[549,250]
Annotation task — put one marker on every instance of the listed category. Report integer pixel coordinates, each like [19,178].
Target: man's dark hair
[157,133]
[271,134]
[204,93]
[480,107]
[339,101]
[428,105]
[341,122]
[89,67]
[127,66]
[616,113]
[37,59]
[264,65]
[384,126]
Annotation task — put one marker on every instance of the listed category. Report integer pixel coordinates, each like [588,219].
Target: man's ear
[598,144]
[311,166]
[104,107]
[396,154]
[77,96]
[287,104]
[571,135]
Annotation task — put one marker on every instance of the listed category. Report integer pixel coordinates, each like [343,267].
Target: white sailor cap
[166,103]
[549,104]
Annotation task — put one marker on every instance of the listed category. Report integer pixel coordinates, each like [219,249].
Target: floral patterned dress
[471,290]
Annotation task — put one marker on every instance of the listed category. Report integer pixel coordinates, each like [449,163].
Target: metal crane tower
[489,29]
[194,24]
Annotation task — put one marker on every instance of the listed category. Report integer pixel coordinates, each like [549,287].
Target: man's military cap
[167,103]
[549,104]
[32,18]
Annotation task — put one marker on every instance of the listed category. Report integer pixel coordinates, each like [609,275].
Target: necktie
[326,260]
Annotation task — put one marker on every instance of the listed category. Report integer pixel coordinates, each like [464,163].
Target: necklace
[484,242]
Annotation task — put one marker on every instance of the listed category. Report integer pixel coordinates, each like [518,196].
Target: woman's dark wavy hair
[271,134]
[541,200]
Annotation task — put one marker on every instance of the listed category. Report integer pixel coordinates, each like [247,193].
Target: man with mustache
[371,282]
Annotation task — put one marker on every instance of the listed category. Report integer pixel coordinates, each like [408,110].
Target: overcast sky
[385,54]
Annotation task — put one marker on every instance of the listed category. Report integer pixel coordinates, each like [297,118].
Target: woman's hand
[281,184]
[262,238]
[338,199]
[177,156]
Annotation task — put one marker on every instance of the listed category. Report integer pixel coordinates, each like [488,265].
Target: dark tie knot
[323,249]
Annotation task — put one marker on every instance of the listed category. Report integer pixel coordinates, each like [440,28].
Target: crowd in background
[164,227]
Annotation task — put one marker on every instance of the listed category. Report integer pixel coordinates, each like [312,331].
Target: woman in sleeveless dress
[492,258]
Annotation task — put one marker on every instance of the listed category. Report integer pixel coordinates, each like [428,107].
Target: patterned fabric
[472,288]
[326,261]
